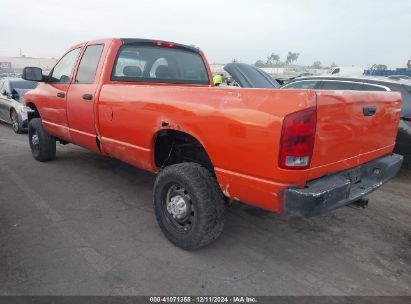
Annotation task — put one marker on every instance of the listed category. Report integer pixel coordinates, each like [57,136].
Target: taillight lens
[164,43]
[297,139]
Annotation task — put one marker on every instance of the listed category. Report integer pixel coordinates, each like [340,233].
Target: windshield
[159,64]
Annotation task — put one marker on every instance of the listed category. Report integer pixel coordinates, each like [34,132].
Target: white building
[18,63]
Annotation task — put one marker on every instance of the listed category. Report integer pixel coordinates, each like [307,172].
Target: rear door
[82,95]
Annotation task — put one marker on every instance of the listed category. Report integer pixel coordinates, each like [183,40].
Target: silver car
[12,108]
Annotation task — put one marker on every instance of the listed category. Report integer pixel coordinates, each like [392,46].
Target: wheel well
[35,114]
[174,147]
[11,110]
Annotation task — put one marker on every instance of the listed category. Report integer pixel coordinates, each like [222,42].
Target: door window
[62,70]
[309,84]
[86,72]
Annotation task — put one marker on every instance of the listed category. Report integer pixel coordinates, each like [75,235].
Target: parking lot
[83,225]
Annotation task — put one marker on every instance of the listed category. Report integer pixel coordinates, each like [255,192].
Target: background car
[12,108]
[365,83]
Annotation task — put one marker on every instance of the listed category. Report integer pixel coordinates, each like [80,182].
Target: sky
[346,32]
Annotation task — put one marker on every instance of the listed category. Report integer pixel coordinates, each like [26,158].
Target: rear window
[138,63]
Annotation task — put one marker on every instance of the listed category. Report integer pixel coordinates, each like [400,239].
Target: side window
[304,85]
[88,65]
[62,70]
[370,87]
[337,85]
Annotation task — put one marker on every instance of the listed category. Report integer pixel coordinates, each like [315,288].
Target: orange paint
[240,129]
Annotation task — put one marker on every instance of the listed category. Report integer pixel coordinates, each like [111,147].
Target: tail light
[406,118]
[297,139]
[164,44]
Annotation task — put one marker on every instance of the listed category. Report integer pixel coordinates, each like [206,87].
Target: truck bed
[240,129]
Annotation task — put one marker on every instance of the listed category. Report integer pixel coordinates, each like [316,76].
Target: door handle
[87,97]
[369,111]
[61,94]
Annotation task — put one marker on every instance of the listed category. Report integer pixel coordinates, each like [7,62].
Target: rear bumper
[334,191]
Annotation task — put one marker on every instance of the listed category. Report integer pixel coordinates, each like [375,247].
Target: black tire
[15,122]
[204,203]
[43,145]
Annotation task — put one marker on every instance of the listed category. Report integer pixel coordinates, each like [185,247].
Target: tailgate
[353,127]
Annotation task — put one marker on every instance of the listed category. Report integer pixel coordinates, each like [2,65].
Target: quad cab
[152,104]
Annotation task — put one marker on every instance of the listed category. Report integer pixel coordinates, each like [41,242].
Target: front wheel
[189,205]
[15,122]
[42,144]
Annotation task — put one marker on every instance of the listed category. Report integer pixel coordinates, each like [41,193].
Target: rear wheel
[189,205]
[15,122]
[42,144]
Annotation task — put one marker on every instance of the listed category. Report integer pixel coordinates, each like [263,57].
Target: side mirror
[32,74]
[4,92]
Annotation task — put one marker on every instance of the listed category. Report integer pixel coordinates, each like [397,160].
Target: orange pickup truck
[152,104]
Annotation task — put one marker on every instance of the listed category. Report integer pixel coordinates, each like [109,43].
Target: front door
[54,95]
[81,98]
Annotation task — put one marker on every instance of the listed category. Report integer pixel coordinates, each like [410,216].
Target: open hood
[248,76]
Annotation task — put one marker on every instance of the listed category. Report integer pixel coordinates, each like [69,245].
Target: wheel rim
[35,142]
[14,121]
[178,208]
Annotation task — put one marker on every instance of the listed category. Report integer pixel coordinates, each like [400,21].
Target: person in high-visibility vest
[218,79]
